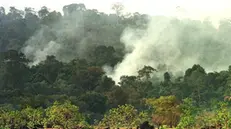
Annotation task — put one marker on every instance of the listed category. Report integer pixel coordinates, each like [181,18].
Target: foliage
[63,115]
[88,41]
[223,115]
[205,119]
[188,109]
[123,116]
[145,72]
[33,117]
[12,119]
[165,110]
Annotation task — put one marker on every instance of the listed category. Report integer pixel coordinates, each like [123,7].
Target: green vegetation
[57,116]
[70,88]
[123,116]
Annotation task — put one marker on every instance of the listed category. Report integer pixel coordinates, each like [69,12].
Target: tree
[117,96]
[166,87]
[118,8]
[15,14]
[96,102]
[165,110]
[128,81]
[223,115]
[195,81]
[123,116]
[48,69]
[205,119]
[105,84]
[31,21]
[43,12]
[29,10]
[2,11]
[145,72]
[12,119]
[15,69]
[103,55]
[34,117]
[188,115]
[51,18]
[63,115]
[73,8]
[167,77]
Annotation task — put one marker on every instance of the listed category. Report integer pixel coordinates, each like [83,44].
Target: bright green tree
[123,116]
[188,115]
[223,115]
[11,119]
[63,115]
[34,117]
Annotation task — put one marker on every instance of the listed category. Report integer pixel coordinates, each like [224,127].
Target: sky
[145,6]
[197,9]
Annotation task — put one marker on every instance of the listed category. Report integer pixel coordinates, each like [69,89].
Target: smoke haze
[176,37]
[177,42]
[73,36]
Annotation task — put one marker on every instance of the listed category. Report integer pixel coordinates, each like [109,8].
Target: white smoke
[178,40]
[40,54]
[58,39]
[73,36]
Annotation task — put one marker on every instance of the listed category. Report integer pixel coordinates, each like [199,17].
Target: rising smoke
[177,42]
[56,39]
[73,36]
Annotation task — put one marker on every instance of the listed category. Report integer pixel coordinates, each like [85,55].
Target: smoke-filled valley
[97,61]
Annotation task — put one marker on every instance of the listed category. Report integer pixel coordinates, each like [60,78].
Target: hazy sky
[194,8]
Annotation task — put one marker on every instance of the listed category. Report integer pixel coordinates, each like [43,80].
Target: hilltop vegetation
[51,74]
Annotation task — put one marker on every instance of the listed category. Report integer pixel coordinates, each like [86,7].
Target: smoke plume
[73,35]
[56,39]
[171,42]
[177,42]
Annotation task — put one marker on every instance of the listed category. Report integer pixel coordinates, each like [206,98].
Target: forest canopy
[77,62]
